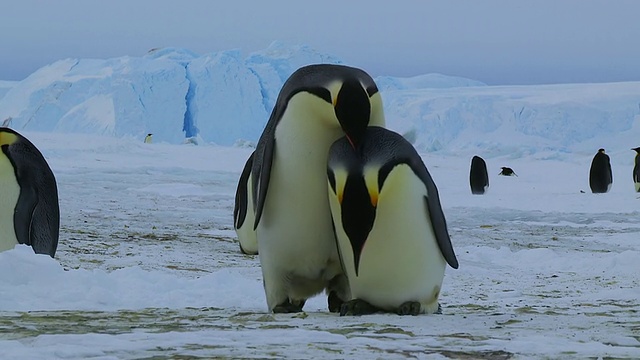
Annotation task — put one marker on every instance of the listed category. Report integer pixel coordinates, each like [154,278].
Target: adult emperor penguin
[148,139]
[636,170]
[296,242]
[243,215]
[478,176]
[391,230]
[29,212]
[600,175]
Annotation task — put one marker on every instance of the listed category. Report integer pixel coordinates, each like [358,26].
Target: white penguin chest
[296,218]
[9,193]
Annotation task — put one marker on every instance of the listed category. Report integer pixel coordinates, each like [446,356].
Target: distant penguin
[507,171]
[636,170]
[148,139]
[296,243]
[243,216]
[600,175]
[29,211]
[7,122]
[478,176]
[392,235]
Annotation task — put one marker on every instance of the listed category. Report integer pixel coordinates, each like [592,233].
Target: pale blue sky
[498,42]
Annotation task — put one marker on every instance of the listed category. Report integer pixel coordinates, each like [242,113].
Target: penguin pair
[282,211]
[391,231]
[600,175]
[29,210]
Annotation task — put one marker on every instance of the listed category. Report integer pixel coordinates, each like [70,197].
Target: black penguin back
[600,175]
[478,175]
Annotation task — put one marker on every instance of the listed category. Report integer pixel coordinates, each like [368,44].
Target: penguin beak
[353,145]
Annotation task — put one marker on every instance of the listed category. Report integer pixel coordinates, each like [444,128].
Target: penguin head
[601,151]
[352,107]
[349,98]
[637,149]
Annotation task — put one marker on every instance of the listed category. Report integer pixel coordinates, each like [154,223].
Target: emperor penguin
[391,231]
[29,210]
[243,215]
[507,171]
[636,170]
[148,139]
[296,243]
[600,175]
[478,176]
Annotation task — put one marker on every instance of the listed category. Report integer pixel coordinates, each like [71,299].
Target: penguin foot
[410,308]
[357,307]
[335,303]
[288,307]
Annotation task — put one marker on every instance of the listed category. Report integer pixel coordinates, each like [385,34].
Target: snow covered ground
[148,266]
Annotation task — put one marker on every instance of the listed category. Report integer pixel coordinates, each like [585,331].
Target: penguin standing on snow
[392,234]
[243,216]
[29,212]
[478,176]
[148,139]
[636,170]
[296,243]
[600,175]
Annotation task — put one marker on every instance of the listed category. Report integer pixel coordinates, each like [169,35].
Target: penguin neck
[307,137]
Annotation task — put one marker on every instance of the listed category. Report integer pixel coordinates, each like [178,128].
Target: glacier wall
[226,97]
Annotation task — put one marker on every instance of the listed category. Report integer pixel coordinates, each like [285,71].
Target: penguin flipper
[241,203]
[440,228]
[22,218]
[44,233]
[264,175]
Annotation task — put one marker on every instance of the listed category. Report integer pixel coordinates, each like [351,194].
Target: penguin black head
[351,91]
[353,110]
[149,134]
[601,150]
[637,150]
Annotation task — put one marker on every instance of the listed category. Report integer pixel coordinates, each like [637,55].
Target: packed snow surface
[148,266]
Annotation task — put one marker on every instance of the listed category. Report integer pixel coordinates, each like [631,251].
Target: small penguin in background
[507,171]
[636,170]
[7,122]
[148,139]
[391,231]
[291,216]
[478,176]
[29,210]
[243,216]
[600,175]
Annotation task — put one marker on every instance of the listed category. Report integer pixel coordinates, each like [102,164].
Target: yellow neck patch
[371,180]
[340,177]
[7,138]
